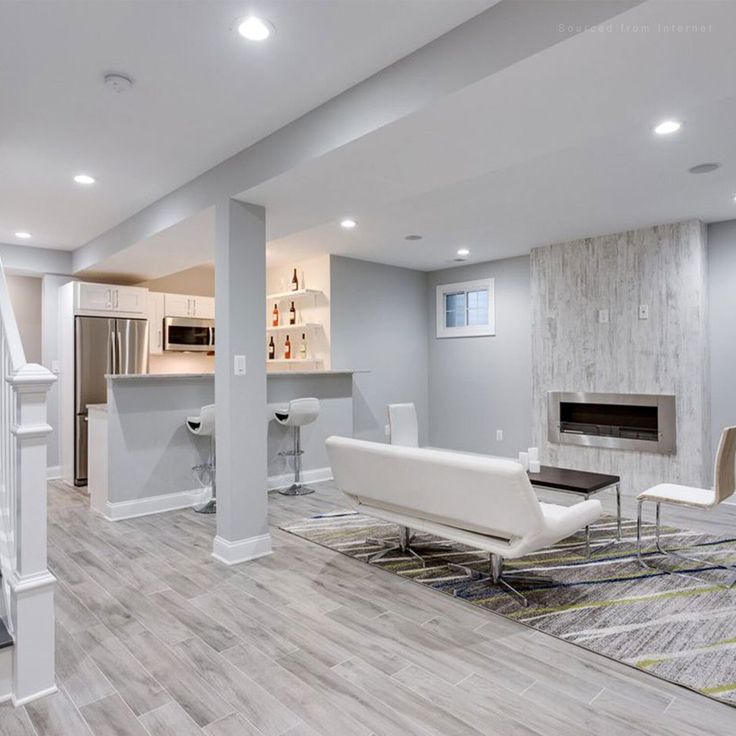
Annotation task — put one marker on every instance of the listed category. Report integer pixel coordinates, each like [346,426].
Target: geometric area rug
[676,627]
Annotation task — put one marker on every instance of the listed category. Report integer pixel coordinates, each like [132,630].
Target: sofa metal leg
[495,576]
[403,545]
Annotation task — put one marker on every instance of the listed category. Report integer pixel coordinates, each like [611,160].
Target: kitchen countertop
[270,374]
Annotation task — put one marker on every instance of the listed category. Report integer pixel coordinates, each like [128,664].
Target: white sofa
[483,502]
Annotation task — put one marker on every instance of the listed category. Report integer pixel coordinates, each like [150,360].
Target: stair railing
[27,584]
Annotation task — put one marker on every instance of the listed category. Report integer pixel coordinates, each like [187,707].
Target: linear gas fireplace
[619,421]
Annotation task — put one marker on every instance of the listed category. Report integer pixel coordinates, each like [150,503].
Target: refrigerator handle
[212,337]
[113,357]
[121,368]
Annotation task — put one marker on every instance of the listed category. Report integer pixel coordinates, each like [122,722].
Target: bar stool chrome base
[208,507]
[296,489]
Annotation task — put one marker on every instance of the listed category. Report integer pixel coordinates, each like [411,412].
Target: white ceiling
[556,147]
[201,93]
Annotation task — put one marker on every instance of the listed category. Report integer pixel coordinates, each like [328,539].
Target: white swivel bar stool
[204,426]
[298,413]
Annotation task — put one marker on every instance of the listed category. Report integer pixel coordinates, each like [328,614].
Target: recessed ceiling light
[412,237]
[254,28]
[84,179]
[348,223]
[705,168]
[23,235]
[668,126]
[463,252]
[117,83]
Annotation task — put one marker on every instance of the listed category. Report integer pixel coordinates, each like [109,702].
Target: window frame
[443,331]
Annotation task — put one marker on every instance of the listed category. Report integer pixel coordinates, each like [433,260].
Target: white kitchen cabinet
[109,298]
[183,305]
[156,323]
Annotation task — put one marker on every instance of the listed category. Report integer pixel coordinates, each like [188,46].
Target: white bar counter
[141,453]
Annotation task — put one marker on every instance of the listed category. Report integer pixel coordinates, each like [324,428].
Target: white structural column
[240,428]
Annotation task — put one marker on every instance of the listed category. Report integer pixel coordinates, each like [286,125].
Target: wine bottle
[275,316]
[303,347]
[287,348]
[292,315]
[294,282]
[271,349]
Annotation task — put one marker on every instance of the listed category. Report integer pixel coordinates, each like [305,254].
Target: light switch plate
[387,430]
[499,435]
[603,316]
[55,367]
[643,311]
[239,365]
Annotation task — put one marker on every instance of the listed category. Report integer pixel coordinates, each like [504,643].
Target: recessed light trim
[22,234]
[463,252]
[705,168]
[85,179]
[254,28]
[667,127]
[348,223]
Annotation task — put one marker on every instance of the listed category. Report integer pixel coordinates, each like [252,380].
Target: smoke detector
[118,83]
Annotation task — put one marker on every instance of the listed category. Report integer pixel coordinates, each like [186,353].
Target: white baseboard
[316,475]
[53,472]
[232,553]
[120,510]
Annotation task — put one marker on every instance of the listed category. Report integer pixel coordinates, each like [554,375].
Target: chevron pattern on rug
[679,627]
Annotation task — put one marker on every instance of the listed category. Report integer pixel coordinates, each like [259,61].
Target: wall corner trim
[232,553]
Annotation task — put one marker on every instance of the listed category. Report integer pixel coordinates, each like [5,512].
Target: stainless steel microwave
[188,334]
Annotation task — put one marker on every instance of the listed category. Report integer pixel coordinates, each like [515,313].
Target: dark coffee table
[582,483]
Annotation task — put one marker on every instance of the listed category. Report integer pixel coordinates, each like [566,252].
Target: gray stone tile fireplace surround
[575,286]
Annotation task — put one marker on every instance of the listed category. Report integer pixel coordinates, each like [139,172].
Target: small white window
[466,309]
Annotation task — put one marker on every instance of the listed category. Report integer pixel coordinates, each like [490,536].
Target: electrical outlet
[55,368]
[603,316]
[499,435]
[387,430]
[643,311]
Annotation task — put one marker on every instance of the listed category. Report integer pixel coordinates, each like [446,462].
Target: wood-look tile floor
[157,639]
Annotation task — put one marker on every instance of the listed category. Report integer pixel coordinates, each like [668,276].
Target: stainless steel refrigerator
[102,346]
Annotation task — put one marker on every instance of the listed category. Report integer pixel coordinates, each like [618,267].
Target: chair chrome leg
[297,488]
[677,555]
[210,505]
[618,511]
[403,545]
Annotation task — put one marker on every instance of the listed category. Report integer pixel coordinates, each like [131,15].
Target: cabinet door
[204,307]
[155,323]
[177,305]
[130,299]
[97,297]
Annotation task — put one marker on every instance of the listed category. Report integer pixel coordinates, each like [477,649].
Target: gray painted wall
[379,323]
[722,310]
[478,385]
[25,295]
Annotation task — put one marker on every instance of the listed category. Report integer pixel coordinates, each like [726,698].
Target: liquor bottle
[271,349]
[287,348]
[292,315]
[294,282]
[275,316]
[303,347]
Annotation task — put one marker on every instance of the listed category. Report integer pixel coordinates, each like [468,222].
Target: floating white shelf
[295,328]
[294,361]
[293,294]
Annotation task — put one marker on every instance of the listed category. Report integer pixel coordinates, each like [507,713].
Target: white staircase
[27,600]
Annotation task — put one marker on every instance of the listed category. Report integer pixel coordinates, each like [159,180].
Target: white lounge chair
[483,502]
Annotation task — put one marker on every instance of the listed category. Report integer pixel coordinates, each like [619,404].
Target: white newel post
[31,585]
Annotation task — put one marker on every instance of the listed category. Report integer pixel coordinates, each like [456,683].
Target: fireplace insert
[618,421]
